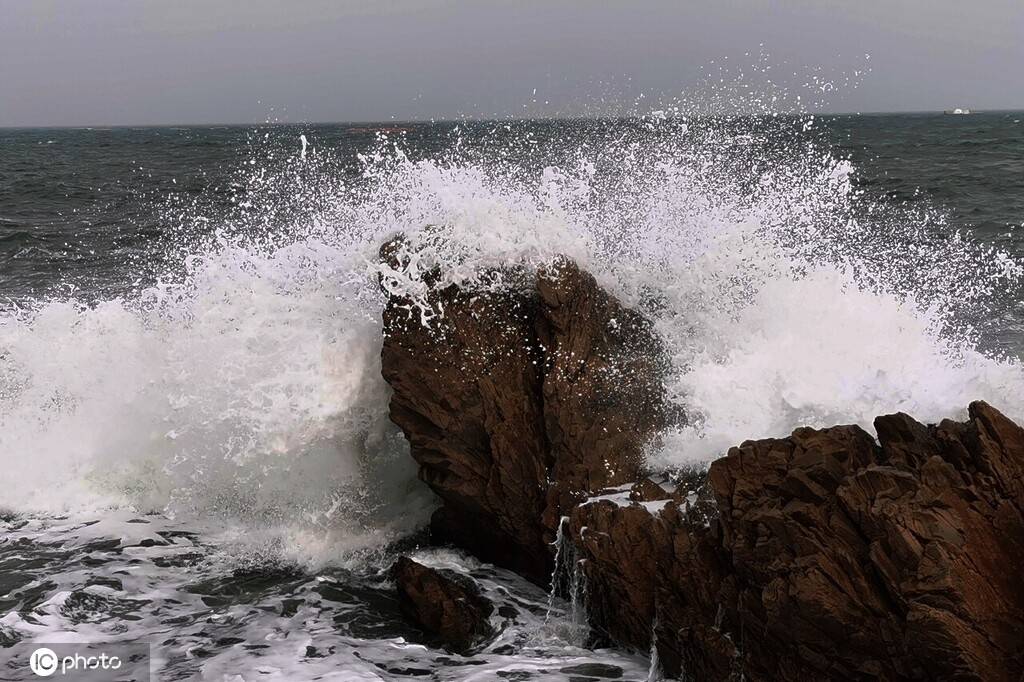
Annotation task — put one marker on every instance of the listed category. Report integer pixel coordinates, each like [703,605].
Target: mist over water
[226,375]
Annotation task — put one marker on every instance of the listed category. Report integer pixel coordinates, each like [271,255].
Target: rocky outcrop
[832,557]
[519,404]
[467,393]
[827,555]
[893,562]
[443,603]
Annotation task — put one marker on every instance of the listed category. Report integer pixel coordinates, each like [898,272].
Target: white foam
[247,386]
[206,620]
[784,296]
[818,351]
[251,393]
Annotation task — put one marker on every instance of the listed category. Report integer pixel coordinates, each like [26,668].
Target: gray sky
[106,62]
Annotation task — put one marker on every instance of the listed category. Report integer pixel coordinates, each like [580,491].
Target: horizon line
[422,121]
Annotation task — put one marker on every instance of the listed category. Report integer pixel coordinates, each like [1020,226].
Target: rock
[467,395]
[826,555]
[517,405]
[603,396]
[443,603]
[647,490]
[832,557]
[894,561]
[656,563]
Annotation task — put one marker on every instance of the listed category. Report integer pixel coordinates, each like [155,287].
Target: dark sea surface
[208,468]
[80,206]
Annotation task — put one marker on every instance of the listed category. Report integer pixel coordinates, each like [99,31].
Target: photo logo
[43,662]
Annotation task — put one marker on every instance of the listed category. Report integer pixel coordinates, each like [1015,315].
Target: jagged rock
[833,558]
[519,404]
[443,603]
[895,561]
[467,395]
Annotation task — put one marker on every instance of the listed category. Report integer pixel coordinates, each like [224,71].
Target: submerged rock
[824,555]
[443,603]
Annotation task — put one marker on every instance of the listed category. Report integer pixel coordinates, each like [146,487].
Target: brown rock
[603,396]
[467,394]
[646,490]
[907,569]
[656,564]
[833,558]
[518,405]
[443,603]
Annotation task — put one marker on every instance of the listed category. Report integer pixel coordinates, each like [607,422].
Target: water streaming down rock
[562,549]
[656,674]
[569,583]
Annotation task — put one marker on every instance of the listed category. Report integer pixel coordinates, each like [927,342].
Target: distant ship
[957,112]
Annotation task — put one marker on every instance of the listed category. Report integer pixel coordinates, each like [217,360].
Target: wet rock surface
[893,561]
[520,404]
[603,396]
[443,603]
[826,555]
[654,569]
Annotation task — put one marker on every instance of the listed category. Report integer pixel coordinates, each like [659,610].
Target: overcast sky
[106,62]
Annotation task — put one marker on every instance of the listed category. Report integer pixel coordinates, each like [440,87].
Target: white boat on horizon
[957,112]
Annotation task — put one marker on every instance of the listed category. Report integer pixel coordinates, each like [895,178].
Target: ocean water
[194,444]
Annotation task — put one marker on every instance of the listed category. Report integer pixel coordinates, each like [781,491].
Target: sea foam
[245,385]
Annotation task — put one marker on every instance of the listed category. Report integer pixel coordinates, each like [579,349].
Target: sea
[195,453]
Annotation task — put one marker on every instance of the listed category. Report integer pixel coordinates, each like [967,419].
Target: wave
[250,391]
[245,384]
